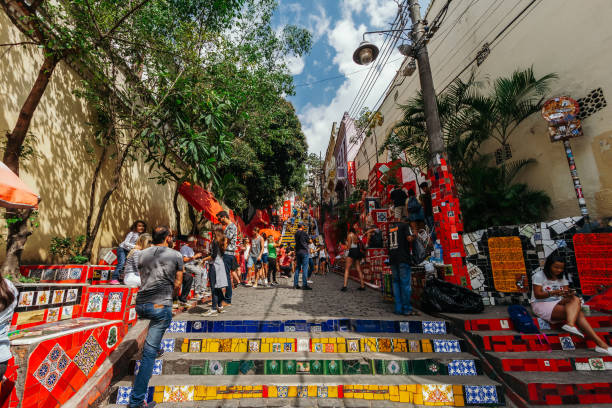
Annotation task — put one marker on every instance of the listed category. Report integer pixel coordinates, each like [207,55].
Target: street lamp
[365,53]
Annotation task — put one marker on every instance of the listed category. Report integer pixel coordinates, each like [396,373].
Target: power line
[340,76]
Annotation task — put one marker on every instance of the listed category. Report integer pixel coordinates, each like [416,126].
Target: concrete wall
[62,172]
[562,36]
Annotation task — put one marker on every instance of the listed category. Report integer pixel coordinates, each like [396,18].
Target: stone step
[198,364]
[419,390]
[550,388]
[556,361]
[504,342]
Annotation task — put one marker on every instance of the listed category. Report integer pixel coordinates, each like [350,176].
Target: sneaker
[306,288]
[602,350]
[309,281]
[266,283]
[274,283]
[183,303]
[114,282]
[220,310]
[572,329]
[296,287]
[344,289]
[210,312]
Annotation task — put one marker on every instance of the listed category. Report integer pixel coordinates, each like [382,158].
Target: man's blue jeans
[160,318]
[401,287]
[302,263]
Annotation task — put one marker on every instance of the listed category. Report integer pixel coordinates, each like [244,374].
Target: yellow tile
[359,395]
[211,392]
[158,396]
[204,348]
[405,397]
[185,346]
[426,346]
[394,390]
[459,401]
[403,387]
[272,392]
[312,391]
[213,346]
[292,391]
[332,391]
[413,388]
[418,399]
[382,396]
[243,347]
[265,348]
[200,393]
[341,347]
[399,346]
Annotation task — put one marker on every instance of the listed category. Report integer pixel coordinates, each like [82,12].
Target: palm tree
[512,100]
[490,197]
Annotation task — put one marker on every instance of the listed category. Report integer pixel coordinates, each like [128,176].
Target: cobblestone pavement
[323,302]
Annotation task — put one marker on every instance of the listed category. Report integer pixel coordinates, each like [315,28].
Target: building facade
[491,39]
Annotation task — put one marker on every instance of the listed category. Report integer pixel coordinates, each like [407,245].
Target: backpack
[521,319]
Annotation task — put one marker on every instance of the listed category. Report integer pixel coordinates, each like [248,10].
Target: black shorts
[355,253]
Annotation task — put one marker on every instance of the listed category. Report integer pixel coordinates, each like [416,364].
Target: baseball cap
[222,214]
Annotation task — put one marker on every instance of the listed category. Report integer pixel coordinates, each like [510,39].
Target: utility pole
[320,192]
[432,118]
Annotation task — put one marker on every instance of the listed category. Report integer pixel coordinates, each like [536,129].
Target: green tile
[332,367]
[316,367]
[272,367]
[303,367]
[419,367]
[365,368]
[232,367]
[196,370]
[260,367]
[289,367]
[432,367]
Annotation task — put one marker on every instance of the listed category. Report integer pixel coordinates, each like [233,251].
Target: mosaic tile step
[56,329]
[506,324]
[531,342]
[332,325]
[601,363]
[436,394]
[452,367]
[314,345]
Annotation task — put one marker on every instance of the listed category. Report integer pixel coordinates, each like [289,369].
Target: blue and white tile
[404,327]
[123,395]
[481,394]
[434,327]
[157,367]
[178,326]
[167,345]
[567,343]
[446,346]
[462,367]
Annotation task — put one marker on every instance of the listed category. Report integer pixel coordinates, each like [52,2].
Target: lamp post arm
[401,30]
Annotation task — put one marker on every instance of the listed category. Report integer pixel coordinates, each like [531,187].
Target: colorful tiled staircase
[568,372]
[289,232]
[339,362]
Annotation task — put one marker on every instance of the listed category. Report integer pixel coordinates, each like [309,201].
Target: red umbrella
[202,200]
[13,192]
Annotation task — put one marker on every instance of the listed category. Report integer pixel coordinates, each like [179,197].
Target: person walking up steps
[161,275]
[301,251]
[400,243]
[256,254]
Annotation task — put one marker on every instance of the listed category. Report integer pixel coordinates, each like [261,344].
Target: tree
[468,118]
[86,33]
[314,169]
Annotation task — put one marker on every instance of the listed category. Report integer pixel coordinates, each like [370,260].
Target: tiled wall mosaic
[531,342]
[557,364]
[57,273]
[100,275]
[40,304]
[506,324]
[58,367]
[288,326]
[316,345]
[576,394]
[418,394]
[108,302]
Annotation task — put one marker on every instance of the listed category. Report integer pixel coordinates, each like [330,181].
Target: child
[8,301]
[138,227]
[132,276]
[553,301]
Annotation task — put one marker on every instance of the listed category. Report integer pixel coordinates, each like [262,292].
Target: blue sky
[336,27]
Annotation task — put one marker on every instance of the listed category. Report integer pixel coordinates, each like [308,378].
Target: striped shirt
[231,233]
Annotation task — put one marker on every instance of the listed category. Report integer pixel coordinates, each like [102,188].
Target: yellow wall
[562,36]
[63,171]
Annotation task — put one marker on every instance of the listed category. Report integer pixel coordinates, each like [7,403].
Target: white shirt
[187,251]
[265,247]
[548,285]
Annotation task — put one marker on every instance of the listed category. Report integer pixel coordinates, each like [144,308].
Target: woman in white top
[553,301]
[132,275]
[137,228]
[8,301]
[247,250]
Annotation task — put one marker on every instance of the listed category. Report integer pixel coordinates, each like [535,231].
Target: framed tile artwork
[87,356]
[94,303]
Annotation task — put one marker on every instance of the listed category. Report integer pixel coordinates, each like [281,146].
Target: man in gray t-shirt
[158,266]
[161,273]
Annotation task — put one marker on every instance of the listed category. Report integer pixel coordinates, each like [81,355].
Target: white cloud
[344,37]
[295,64]
[318,24]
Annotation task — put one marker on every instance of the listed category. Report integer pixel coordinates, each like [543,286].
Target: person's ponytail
[7,297]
